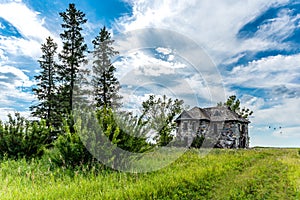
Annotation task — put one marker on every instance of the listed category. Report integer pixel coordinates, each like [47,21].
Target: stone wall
[224,134]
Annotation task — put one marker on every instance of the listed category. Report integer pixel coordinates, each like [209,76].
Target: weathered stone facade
[221,126]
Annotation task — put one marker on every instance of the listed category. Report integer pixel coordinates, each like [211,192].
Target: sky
[197,50]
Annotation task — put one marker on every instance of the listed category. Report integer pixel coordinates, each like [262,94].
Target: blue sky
[252,47]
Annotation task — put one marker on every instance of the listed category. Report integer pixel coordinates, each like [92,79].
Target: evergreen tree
[72,55]
[106,85]
[46,86]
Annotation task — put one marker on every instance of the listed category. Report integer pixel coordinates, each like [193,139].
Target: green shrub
[123,130]
[198,141]
[99,135]
[22,138]
[69,151]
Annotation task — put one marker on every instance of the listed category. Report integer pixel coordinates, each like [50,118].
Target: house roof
[219,113]
[194,114]
[198,113]
[222,113]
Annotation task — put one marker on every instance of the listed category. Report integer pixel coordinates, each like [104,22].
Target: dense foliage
[159,113]
[61,96]
[69,150]
[233,103]
[21,138]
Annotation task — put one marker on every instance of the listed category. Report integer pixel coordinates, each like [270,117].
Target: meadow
[257,173]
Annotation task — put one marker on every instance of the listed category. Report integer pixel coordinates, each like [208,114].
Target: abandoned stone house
[219,125]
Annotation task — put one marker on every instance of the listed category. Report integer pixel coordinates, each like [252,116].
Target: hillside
[221,174]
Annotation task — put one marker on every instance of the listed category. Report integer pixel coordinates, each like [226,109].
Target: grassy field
[221,174]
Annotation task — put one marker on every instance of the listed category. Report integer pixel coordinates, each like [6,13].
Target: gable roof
[185,115]
[199,113]
[222,113]
[211,114]
[194,114]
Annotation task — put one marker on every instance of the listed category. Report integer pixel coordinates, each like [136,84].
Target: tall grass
[222,174]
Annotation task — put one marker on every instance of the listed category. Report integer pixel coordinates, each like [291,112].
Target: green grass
[221,174]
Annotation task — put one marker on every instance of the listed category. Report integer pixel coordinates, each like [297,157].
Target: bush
[198,141]
[21,138]
[124,130]
[121,136]
[69,151]
[99,135]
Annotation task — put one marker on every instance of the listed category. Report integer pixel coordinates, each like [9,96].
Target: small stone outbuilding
[223,127]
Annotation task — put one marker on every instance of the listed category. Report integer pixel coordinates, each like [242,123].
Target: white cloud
[18,46]
[5,111]
[3,58]
[151,75]
[267,72]
[13,81]
[233,59]
[19,79]
[286,113]
[164,51]
[290,132]
[133,102]
[278,28]
[254,103]
[212,24]
[29,25]
[25,20]
[177,79]
[142,64]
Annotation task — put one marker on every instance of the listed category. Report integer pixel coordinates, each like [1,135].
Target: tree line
[65,81]
[60,85]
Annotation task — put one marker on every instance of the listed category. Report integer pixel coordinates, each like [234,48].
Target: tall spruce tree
[72,55]
[46,86]
[106,85]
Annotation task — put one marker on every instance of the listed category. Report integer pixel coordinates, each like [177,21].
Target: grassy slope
[222,174]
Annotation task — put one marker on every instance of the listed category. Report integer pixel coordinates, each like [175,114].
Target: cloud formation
[29,24]
[212,24]
[19,44]
[267,72]
[253,44]
[242,38]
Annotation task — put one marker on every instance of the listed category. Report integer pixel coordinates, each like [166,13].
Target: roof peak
[217,113]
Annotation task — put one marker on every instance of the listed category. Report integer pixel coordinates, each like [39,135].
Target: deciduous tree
[160,113]
[233,103]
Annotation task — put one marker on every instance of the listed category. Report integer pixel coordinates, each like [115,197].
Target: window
[194,126]
[217,113]
[185,126]
[215,129]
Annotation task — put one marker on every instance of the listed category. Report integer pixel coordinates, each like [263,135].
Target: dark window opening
[194,126]
[215,129]
[185,126]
